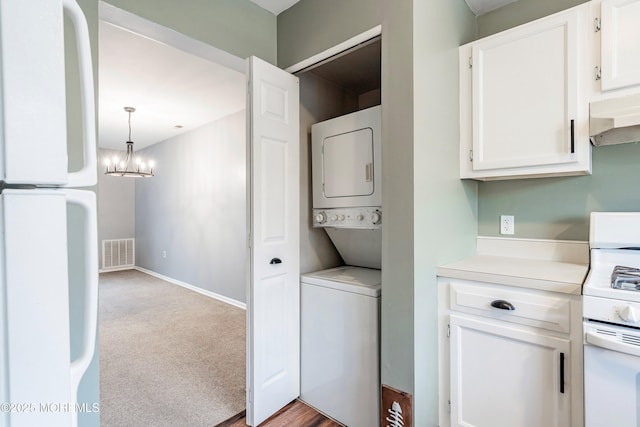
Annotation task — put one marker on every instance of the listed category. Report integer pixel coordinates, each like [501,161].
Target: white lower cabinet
[509,356]
[504,377]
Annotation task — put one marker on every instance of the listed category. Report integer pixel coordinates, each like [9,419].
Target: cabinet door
[620,43]
[525,110]
[505,377]
[524,95]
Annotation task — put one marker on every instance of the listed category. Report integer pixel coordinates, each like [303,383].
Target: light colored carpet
[168,356]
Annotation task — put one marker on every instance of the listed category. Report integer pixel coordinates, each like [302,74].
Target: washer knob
[375,218]
[629,314]
[341,217]
[360,217]
[321,217]
[334,217]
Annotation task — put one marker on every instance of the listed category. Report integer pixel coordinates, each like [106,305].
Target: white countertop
[548,265]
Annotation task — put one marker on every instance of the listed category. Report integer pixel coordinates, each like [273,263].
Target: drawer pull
[502,305]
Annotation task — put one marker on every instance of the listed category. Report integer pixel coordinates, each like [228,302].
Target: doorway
[187,222]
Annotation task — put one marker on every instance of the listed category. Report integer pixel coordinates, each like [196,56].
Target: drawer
[531,309]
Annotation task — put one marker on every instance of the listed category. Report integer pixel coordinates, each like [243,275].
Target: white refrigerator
[38,379]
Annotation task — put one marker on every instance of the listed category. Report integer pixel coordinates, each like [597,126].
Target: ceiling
[275,6]
[167,86]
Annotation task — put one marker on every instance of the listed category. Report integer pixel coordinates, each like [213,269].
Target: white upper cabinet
[524,103]
[620,44]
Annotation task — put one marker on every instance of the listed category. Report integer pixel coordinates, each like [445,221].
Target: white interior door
[273,297]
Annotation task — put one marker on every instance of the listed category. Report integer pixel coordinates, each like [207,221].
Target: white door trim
[136,24]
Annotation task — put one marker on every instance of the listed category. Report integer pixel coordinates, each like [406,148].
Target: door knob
[275,261]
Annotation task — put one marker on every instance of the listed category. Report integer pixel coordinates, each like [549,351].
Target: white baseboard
[204,292]
[109,270]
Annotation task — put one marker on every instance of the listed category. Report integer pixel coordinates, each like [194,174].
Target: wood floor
[295,414]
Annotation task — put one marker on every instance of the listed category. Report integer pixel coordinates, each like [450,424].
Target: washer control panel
[365,217]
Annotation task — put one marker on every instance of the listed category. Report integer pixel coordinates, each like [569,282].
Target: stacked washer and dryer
[340,307]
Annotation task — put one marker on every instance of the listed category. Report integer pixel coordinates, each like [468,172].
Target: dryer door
[347,166]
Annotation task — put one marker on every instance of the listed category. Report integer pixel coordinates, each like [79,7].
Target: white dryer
[340,364]
[347,185]
[346,153]
[346,170]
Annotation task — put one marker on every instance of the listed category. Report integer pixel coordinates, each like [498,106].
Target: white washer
[340,362]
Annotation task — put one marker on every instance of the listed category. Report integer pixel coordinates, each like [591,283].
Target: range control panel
[366,217]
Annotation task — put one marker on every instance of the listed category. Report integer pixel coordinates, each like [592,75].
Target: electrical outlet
[507,224]
[164,254]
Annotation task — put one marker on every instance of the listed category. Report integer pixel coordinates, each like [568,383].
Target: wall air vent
[118,254]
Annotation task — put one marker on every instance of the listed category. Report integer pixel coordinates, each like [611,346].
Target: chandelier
[131,166]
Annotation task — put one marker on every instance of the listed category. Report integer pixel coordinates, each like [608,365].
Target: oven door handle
[609,344]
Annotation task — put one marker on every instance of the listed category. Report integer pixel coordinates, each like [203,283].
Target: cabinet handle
[573,140]
[562,373]
[275,261]
[502,305]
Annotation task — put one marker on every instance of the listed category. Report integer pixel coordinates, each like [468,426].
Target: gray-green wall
[397,313]
[236,26]
[311,26]
[520,12]
[444,206]
[557,208]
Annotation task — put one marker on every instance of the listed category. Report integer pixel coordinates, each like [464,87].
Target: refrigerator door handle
[87,175]
[87,201]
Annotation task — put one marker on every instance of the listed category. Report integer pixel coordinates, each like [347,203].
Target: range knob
[375,218]
[321,218]
[629,314]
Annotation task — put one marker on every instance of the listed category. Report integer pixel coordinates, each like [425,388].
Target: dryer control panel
[364,217]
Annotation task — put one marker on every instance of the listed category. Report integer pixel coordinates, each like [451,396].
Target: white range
[611,311]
